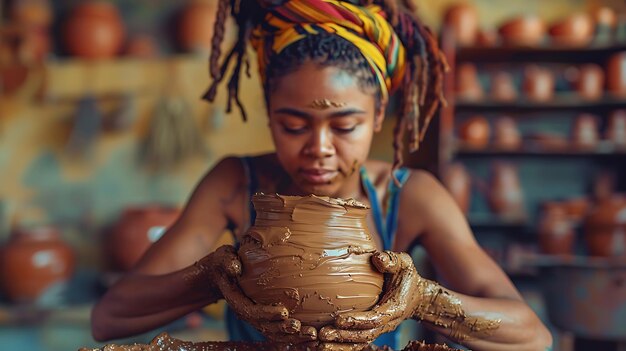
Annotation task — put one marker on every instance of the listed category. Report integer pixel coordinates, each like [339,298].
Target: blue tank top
[386,225]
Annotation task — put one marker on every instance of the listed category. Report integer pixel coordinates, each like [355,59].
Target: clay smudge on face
[325,254]
[324,104]
[349,172]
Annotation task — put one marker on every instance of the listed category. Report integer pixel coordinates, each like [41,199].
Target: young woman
[328,70]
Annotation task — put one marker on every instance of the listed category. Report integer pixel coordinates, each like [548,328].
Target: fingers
[363,320]
[228,260]
[247,309]
[391,262]
[332,334]
[303,335]
[329,346]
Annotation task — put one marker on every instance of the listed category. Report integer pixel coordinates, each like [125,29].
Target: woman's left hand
[398,303]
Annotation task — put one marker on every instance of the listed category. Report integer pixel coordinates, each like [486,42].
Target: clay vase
[457,180]
[605,228]
[590,82]
[312,254]
[576,30]
[555,231]
[468,85]
[538,84]
[527,30]
[134,232]
[94,30]
[487,38]
[462,20]
[585,133]
[505,193]
[506,134]
[616,131]
[35,265]
[616,75]
[195,25]
[503,87]
[475,132]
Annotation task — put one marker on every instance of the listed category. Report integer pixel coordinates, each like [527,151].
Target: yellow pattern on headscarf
[365,27]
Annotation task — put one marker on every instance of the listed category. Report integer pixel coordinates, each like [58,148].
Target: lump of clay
[312,254]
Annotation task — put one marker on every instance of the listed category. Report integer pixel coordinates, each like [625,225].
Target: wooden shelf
[569,102]
[510,54]
[532,149]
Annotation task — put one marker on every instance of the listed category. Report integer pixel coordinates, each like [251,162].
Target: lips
[317,175]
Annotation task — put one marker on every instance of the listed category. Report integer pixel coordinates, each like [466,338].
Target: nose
[320,144]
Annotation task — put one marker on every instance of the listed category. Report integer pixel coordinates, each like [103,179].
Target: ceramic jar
[616,131]
[538,84]
[605,227]
[555,231]
[134,232]
[590,82]
[503,87]
[457,180]
[575,30]
[616,75]
[312,254]
[585,134]
[462,20]
[94,30]
[527,30]
[468,86]
[195,25]
[35,265]
[506,134]
[505,194]
[475,132]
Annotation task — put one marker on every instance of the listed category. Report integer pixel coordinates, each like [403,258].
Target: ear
[379,117]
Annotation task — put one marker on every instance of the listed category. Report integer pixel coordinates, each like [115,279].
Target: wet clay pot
[312,254]
[505,194]
[35,263]
[616,131]
[457,180]
[134,232]
[616,75]
[94,30]
[475,132]
[462,20]
[195,25]
[556,233]
[605,227]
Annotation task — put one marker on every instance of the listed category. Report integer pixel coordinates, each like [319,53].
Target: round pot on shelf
[94,30]
[526,30]
[538,84]
[36,265]
[312,254]
[505,195]
[468,86]
[475,132]
[576,30]
[506,134]
[462,20]
[555,231]
[134,232]
[503,87]
[585,134]
[605,227]
[589,81]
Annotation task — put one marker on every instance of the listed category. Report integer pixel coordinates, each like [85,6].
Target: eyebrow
[302,114]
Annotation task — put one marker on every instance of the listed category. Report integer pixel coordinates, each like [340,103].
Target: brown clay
[585,133]
[505,196]
[134,232]
[605,227]
[556,234]
[575,30]
[616,75]
[195,25]
[33,261]
[312,254]
[527,30]
[462,20]
[506,135]
[94,30]
[538,84]
[616,131]
[457,180]
[475,132]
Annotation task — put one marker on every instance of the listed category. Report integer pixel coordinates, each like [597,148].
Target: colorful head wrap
[365,27]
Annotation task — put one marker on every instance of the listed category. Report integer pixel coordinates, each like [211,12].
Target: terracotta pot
[538,84]
[195,25]
[475,132]
[35,265]
[585,133]
[487,38]
[505,194]
[616,75]
[576,208]
[526,30]
[457,180]
[312,254]
[589,82]
[503,87]
[506,135]
[605,227]
[462,20]
[556,233]
[94,30]
[616,131]
[468,85]
[135,231]
[575,30]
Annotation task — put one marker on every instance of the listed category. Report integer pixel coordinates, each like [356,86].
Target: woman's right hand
[222,269]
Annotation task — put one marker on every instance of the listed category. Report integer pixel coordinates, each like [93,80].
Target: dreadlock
[421,91]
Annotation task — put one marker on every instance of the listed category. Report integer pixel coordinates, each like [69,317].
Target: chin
[321,189]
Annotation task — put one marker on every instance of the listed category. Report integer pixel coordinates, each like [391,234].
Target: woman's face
[322,124]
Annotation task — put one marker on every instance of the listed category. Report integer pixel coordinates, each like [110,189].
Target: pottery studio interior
[451,177]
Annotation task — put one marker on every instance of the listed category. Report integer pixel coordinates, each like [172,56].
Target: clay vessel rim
[311,197]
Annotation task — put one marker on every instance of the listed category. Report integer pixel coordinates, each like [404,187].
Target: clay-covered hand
[221,270]
[406,295]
